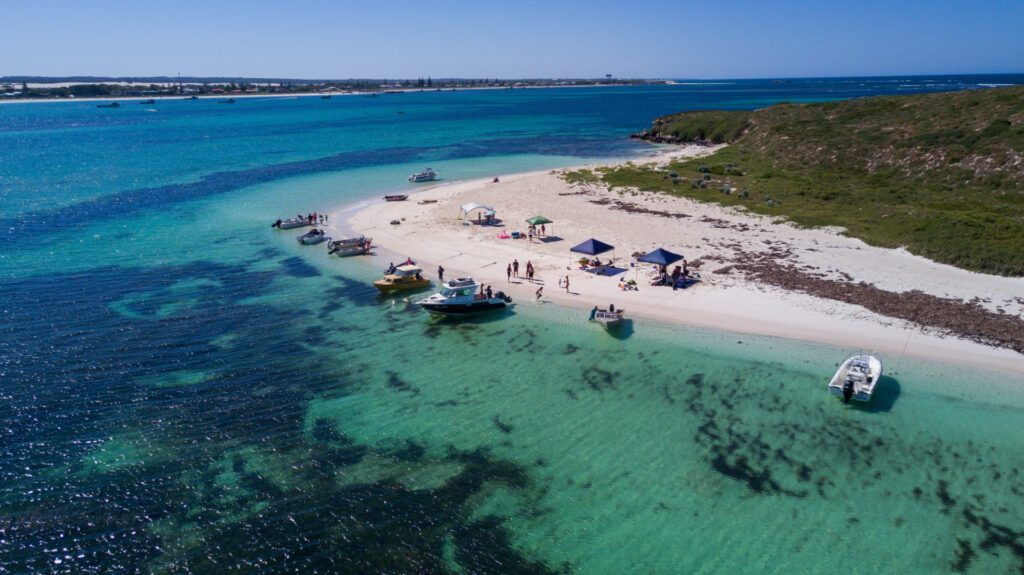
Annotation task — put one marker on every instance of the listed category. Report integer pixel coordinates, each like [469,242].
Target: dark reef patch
[297,267]
[398,384]
[501,425]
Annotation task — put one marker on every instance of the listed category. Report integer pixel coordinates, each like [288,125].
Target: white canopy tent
[466,209]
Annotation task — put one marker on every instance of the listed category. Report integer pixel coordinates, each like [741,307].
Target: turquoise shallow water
[185,390]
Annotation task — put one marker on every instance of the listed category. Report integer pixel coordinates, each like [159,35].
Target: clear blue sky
[510,38]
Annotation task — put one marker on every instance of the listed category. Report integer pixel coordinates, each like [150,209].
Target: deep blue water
[184,390]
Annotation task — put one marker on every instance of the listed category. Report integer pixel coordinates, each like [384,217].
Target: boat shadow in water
[622,331]
[478,318]
[887,391]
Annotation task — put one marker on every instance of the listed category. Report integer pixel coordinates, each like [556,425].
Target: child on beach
[539,290]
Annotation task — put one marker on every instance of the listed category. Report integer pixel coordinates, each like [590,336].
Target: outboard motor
[847,391]
[276,224]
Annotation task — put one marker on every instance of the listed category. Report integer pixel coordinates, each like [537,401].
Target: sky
[510,38]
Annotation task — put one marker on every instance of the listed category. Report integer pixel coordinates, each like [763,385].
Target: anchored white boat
[608,318]
[464,296]
[856,378]
[427,175]
[312,237]
[350,246]
[291,223]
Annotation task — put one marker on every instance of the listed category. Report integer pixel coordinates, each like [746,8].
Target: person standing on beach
[543,230]
[530,232]
[515,268]
[508,273]
[529,271]
[440,274]
[566,284]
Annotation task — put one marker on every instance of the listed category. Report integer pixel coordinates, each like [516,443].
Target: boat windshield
[465,291]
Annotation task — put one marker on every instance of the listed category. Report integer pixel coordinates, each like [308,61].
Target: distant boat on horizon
[148,102]
[325,97]
[192,97]
[228,101]
[110,105]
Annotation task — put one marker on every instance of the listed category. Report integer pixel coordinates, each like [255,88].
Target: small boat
[608,318]
[110,105]
[312,237]
[228,101]
[402,278]
[425,202]
[463,296]
[856,378]
[350,246]
[396,198]
[148,102]
[427,175]
[325,97]
[192,97]
[291,223]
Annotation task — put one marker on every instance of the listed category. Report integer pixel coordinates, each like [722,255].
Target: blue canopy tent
[591,247]
[661,257]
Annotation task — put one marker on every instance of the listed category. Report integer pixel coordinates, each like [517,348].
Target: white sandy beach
[435,234]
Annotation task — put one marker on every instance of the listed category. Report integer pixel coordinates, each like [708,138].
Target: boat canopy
[538,220]
[466,209]
[661,257]
[408,270]
[592,247]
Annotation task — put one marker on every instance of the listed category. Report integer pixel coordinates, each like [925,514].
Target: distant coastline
[19,89]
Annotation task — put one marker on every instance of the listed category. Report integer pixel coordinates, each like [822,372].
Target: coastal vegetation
[940,174]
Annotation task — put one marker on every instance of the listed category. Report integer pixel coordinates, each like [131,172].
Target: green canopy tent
[538,220]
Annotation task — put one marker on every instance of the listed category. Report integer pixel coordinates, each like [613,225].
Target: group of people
[313,218]
[532,231]
[678,273]
[408,262]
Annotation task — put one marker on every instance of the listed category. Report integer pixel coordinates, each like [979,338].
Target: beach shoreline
[707,234]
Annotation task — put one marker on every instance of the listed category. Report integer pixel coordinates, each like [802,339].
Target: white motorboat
[291,223]
[350,246]
[856,378]
[463,296]
[608,318]
[312,237]
[427,175]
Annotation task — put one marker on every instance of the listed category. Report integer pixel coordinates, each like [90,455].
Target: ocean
[185,390]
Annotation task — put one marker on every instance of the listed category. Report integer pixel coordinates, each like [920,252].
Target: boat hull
[311,241]
[461,309]
[609,323]
[387,288]
[344,252]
